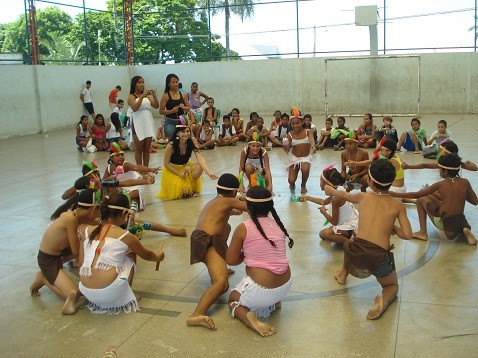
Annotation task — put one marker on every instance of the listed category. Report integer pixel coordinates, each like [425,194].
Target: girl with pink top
[260,243]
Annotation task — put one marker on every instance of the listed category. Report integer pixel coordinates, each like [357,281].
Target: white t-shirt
[86,95]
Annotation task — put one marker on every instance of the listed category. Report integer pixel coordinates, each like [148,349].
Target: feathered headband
[92,166]
[183,121]
[352,136]
[295,112]
[256,138]
[115,149]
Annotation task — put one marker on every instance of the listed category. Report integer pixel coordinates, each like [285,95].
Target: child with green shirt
[415,139]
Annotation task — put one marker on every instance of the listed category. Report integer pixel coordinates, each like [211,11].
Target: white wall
[45,98]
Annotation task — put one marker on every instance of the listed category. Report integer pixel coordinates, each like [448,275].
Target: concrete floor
[435,314]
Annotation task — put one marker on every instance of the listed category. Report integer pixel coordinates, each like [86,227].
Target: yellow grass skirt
[174,187]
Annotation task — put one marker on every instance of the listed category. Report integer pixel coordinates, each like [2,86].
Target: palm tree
[242,8]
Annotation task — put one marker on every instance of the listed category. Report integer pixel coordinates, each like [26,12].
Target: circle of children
[97,228]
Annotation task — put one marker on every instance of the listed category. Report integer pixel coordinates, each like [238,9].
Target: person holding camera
[173,104]
[141,101]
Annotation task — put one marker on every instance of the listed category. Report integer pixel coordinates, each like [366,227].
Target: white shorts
[346,226]
[114,298]
[258,299]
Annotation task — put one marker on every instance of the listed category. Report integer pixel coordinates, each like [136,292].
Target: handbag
[430,151]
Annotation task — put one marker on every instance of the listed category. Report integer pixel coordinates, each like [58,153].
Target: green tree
[166,30]
[242,8]
[49,20]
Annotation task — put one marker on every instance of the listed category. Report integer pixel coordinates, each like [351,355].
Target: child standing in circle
[299,152]
[369,253]
[260,243]
[254,160]
[340,213]
[107,258]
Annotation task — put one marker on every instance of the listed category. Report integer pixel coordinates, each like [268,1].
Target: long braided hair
[257,209]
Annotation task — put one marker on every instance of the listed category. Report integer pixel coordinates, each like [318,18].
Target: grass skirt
[174,187]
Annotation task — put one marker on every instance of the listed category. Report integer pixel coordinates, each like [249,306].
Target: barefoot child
[59,245]
[259,242]
[369,252]
[355,177]
[209,245]
[445,210]
[337,211]
[255,160]
[107,258]
[299,152]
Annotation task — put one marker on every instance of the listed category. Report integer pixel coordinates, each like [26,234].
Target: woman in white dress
[141,101]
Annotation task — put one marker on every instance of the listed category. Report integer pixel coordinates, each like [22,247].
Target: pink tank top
[258,252]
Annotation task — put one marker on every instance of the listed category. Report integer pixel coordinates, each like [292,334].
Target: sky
[274,25]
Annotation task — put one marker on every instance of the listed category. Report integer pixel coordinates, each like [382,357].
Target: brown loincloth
[201,241]
[50,265]
[454,225]
[362,257]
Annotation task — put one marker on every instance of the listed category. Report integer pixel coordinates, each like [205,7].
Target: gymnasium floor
[435,314]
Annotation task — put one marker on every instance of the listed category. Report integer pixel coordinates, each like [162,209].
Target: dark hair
[451,147]
[263,209]
[115,120]
[384,172]
[168,78]
[369,115]
[307,116]
[236,109]
[341,117]
[194,83]
[81,118]
[88,82]
[263,171]
[388,118]
[85,168]
[284,115]
[253,114]
[333,176]
[209,99]
[415,120]
[134,80]
[205,121]
[330,119]
[120,101]
[277,111]
[227,180]
[175,139]
[116,199]
[72,203]
[226,116]
[118,87]
[452,161]
[180,85]
[391,145]
[442,121]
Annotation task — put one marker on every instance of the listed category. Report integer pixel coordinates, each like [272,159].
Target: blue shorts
[408,144]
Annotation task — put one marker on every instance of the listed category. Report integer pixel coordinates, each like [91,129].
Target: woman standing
[141,101]
[172,105]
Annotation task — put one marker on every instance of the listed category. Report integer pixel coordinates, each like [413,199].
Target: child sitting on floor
[369,252]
